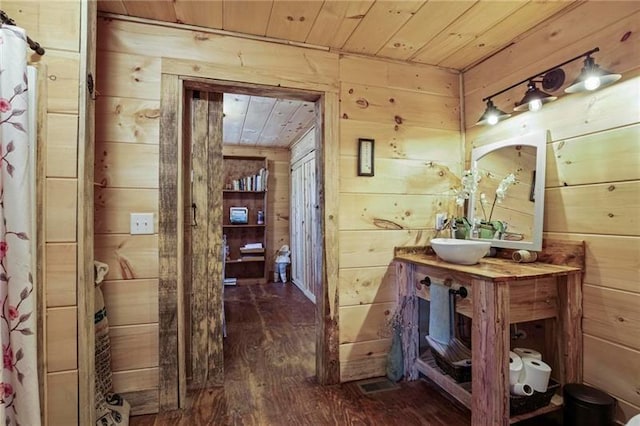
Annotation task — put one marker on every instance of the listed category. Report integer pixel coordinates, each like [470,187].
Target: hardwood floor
[269,376]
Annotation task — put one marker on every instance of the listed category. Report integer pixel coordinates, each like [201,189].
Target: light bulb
[492,119]
[535,105]
[592,83]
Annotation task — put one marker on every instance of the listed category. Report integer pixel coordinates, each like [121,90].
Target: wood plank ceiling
[454,34]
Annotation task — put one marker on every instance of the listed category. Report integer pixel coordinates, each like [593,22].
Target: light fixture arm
[585,54]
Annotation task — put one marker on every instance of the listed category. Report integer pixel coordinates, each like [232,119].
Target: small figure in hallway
[282,259]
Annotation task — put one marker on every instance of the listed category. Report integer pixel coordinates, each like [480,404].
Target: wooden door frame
[172,381]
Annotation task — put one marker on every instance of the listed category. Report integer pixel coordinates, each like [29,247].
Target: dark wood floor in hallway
[269,375]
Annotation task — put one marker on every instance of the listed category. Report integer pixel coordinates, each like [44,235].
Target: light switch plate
[141,223]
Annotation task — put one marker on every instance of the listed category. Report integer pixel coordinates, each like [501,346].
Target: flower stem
[492,206]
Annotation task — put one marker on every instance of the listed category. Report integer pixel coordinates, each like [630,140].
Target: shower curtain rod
[4,18]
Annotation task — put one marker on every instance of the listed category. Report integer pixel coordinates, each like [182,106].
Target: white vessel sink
[463,252]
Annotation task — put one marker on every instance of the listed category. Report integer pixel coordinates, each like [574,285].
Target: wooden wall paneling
[127,165]
[383,105]
[612,313]
[380,22]
[292,20]
[134,346]
[362,286]
[63,69]
[215,288]
[608,209]
[611,260]
[564,33]
[168,243]
[61,210]
[62,145]
[216,56]
[389,211]
[131,302]
[135,380]
[85,226]
[60,273]
[125,119]
[365,350]
[206,14]
[365,322]
[612,367]
[62,398]
[426,23]
[362,368]
[468,27]
[142,74]
[336,21]
[606,26]
[568,117]
[399,176]
[569,160]
[402,142]
[142,402]
[129,257]
[41,20]
[114,205]
[246,17]
[62,339]
[378,245]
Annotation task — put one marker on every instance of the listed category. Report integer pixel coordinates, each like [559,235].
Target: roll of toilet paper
[528,353]
[521,389]
[515,367]
[536,374]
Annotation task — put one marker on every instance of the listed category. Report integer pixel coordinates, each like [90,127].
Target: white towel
[440,313]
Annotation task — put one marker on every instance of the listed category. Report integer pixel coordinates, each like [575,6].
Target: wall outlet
[440,219]
[141,223]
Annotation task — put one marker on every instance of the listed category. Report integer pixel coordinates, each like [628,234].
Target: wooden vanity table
[502,292]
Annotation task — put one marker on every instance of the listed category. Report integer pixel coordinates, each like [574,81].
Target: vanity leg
[490,353]
[569,337]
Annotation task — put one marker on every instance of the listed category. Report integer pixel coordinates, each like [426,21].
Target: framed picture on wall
[365,157]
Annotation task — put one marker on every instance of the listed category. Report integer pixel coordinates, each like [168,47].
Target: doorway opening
[204,182]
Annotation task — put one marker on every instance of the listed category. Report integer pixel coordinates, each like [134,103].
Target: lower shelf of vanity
[462,391]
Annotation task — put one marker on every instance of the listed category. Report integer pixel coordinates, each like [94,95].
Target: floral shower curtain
[19,403]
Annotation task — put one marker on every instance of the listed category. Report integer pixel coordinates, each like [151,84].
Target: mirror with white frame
[508,205]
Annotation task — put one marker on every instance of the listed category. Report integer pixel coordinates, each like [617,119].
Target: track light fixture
[492,115]
[591,77]
[534,98]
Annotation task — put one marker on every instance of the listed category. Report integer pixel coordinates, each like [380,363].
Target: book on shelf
[252,258]
[257,182]
[244,250]
[251,246]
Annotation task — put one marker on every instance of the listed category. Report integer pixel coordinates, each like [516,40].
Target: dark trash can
[587,406]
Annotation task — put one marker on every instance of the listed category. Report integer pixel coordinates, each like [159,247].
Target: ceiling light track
[590,78]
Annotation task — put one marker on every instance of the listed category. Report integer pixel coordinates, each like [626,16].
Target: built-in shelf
[242,192]
[426,365]
[245,226]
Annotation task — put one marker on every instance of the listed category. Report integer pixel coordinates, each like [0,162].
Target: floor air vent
[379,384]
